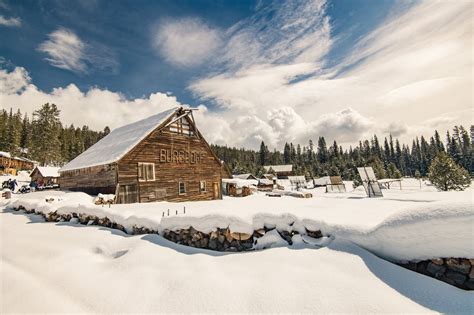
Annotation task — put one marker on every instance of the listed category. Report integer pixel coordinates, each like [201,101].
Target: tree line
[389,158]
[42,137]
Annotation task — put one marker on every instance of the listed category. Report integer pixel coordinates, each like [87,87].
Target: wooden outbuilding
[11,164]
[163,157]
[245,176]
[45,175]
[281,171]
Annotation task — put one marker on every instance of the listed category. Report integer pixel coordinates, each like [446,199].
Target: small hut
[281,171]
[45,176]
[245,176]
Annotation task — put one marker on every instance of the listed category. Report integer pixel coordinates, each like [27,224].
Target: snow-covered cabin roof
[5,154]
[119,142]
[321,181]
[297,179]
[244,176]
[47,171]
[279,168]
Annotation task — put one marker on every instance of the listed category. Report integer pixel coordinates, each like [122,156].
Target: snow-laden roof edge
[118,143]
[48,171]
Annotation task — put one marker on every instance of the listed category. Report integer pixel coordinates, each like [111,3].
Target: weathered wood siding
[92,180]
[177,158]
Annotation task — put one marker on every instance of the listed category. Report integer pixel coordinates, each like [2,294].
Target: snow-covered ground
[49,267]
[63,267]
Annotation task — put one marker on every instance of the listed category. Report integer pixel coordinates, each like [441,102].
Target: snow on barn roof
[48,171]
[279,168]
[119,142]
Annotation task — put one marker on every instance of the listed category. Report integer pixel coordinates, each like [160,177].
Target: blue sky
[125,28]
[283,67]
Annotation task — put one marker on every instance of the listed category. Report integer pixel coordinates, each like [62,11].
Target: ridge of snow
[435,225]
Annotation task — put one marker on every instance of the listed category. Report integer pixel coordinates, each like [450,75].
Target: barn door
[215,187]
[128,193]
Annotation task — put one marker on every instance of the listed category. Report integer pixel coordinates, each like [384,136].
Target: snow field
[65,267]
[404,225]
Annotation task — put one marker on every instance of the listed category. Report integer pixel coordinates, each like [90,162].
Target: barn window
[182,126]
[182,188]
[202,186]
[146,172]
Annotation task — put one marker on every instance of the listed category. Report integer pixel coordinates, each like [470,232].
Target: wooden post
[168,212]
[184,209]
[176,212]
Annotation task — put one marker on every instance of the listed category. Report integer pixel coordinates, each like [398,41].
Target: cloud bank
[67,51]
[271,80]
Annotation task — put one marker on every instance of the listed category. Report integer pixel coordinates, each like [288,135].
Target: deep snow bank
[425,231]
[415,230]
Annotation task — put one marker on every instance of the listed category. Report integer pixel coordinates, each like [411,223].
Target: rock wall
[219,240]
[455,271]
[458,272]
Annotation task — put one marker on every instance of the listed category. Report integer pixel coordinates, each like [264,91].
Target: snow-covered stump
[458,272]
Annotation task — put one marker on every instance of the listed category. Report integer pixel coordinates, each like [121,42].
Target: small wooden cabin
[245,176]
[281,171]
[45,175]
[163,157]
[11,165]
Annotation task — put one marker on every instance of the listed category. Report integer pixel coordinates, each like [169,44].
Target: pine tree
[46,131]
[445,174]
[263,153]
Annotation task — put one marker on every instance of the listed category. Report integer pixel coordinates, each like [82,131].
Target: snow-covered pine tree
[446,174]
[46,131]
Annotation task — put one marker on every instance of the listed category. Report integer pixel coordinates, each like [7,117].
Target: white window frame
[179,188]
[144,165]
[200,186]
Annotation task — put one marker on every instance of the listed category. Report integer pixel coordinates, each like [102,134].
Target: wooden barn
[163,157]
[45,175]
[11,164]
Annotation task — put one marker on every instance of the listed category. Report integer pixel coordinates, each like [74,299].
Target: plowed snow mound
[438,229]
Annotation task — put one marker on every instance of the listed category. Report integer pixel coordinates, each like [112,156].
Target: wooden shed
[163,157]
[11,164]
[45,175]
[281,171]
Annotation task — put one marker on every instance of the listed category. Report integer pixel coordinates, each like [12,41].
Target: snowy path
[48,267]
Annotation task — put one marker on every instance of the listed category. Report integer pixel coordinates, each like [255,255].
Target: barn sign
[180,156]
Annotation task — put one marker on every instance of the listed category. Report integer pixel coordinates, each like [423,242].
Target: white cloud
[95,107]
[14,81]
[415,67]
[5,21]
[67,51]
[186,42]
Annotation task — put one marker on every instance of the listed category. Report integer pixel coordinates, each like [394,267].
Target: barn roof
[119,142]
[279,168]
[48,171]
